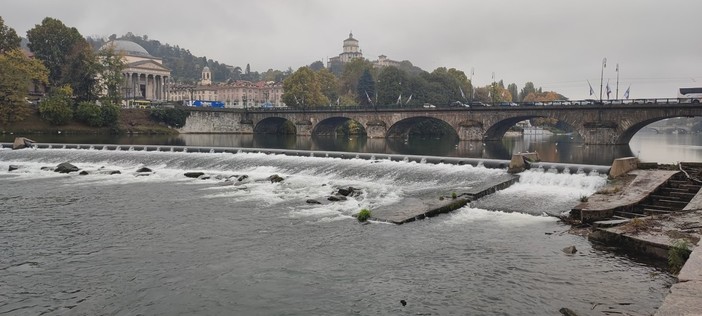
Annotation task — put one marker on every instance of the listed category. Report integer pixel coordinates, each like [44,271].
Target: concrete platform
[601,206]
[429,203]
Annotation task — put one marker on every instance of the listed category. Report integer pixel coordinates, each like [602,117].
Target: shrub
[453,195]
[677,255]
[109,113]
[56,108]
[170,116]
[363,215]
[583,198]
[89,113]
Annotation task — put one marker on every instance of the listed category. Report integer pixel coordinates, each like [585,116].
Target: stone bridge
[595,124]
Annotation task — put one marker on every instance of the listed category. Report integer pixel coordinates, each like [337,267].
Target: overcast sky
[557,44]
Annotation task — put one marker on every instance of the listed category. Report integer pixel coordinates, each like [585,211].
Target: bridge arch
[275,125]
[421,125]
[330,126]
[629,133]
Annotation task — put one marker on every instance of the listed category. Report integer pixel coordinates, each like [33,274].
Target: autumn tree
[528,88]
[17,72]
[303,90]
[8,38]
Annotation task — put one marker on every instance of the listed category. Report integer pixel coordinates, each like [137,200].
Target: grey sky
[557,44]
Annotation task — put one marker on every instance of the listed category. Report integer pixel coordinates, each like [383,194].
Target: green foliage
[453,195]
[110,70]
[56,109]
[175,117]
[678,255]
[17,72]
[303,90]
[364,215]
[8,38]
[109,114]
[390,85]
[583,198]
[348,84]
[89,113]
[53,42]
[365,90]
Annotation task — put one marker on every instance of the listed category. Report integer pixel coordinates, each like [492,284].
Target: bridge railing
[461,106]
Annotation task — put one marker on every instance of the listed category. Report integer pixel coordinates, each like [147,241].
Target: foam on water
[470,215]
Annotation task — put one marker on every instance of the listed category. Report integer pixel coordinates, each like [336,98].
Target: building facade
[145,76]
[239,94]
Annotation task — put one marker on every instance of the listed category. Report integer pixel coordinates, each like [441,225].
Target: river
[164,244]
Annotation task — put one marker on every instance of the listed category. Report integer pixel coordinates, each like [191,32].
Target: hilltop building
[239,94]
[351,50]
[145,76]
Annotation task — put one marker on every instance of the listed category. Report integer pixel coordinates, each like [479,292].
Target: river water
[648,147]
[164,244]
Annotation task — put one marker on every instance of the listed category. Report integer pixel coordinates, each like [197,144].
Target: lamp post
[604,65]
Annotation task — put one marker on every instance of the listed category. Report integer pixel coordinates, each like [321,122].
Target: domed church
[145,76]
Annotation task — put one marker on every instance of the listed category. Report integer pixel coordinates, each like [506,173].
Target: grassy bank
[131,121]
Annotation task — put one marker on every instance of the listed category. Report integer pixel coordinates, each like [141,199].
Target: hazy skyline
[558,45]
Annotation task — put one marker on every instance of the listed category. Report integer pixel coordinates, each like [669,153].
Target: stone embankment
[642,212]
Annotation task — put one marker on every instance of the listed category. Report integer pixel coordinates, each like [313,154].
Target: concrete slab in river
[429,202]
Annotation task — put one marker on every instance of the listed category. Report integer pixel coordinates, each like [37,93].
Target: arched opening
[275,125]
[339,126]
[669,125]
[529,126]
[421,127]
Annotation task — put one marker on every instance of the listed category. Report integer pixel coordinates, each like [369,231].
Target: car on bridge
[428,106]
[459,104]
[479,104]
[506,104]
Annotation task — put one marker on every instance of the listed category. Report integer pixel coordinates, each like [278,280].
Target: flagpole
[604,64]
[617,98]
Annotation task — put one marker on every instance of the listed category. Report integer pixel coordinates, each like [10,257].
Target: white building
[145,76]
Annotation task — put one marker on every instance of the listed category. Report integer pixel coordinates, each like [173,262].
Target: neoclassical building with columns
[145,76]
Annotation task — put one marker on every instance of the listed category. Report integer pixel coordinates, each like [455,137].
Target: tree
[512,87]
[56,108]
[528,88]
[17,72]
[302,90]
[329,85]
[53,42]
[8,38]
[390,85]
[80,71]
[365,89]
[110,70]
[350,75]
[317,66]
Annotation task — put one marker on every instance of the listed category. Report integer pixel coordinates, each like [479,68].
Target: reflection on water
[555,148]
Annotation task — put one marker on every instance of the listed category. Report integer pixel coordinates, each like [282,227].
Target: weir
[487,163]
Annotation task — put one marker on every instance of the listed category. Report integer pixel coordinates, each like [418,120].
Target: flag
[408,99]
[626,93]
[369,99]
[463,95]
[608,89]
[592,91]
[399,99]
[338,100]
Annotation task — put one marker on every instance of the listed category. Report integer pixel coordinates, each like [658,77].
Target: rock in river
[66,168]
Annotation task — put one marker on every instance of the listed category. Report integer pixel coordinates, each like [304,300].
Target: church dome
[127,47]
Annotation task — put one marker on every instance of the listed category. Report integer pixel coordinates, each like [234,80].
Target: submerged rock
[47,168]
[144,169]
[275,178]
[350,191]
[242,178]
[66,168]
[311,201]
[194,174]
[13,168]
[570,250]
[335,198]
[83,173]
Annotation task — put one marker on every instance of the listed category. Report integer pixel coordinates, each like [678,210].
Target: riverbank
[131,121]
[670,237]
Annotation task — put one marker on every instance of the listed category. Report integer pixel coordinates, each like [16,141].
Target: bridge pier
[376,129]
[470,130]
[304,128]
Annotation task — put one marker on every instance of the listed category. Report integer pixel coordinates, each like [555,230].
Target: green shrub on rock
[363,215]
[677,255]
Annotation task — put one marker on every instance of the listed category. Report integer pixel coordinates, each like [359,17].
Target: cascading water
[157,243]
